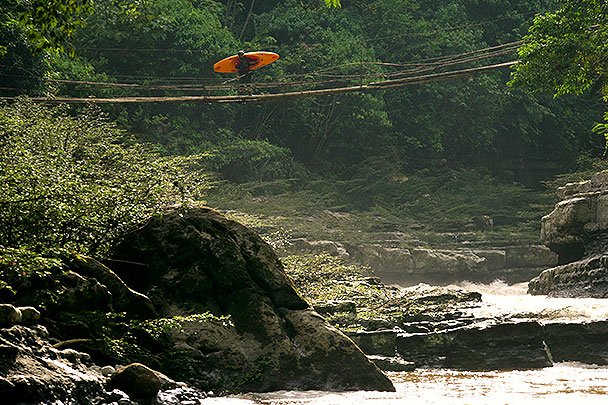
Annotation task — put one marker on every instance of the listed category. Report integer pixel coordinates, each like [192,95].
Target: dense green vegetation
[468,123]
[73,183]
[566,52]
[426,159]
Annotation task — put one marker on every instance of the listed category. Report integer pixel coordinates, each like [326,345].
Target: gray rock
[332,307]
[123,297]
[383,342]
[495,259]
[454,262]
[381,258]
[107,371]
[167,383]
[506,346]
[411,266]
[599,181]
[81,292]
[529,256]
[565,229]
[180,396]
[33,373]
[304,246]
[115,397]
[137,380]
[9,315]
[577,230]
[29,315]
[583,278]
[581,342]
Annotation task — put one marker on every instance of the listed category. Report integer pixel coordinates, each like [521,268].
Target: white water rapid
[561,384]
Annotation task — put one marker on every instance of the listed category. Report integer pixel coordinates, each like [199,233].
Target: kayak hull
[260,59]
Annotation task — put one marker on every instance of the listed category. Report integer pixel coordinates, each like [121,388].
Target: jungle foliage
[566,52]
[468,122]
[70,182]
[373,148]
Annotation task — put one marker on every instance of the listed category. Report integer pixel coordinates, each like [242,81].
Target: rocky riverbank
[577,230]
[213,308]
[35,370]
[401,328]
[394,263]
[447,337]
[195,297]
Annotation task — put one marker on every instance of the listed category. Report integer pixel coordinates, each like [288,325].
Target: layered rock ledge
[494,345]
[410,266]
[577,230]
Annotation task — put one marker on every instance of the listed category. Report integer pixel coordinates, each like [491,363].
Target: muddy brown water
[564,383]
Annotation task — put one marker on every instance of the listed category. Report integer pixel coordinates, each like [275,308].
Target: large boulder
[124,299]
[136,380]
[196,261]
[584,278]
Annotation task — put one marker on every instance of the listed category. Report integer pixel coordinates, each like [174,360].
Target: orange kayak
[258,59]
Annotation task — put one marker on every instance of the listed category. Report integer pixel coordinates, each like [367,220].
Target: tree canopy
[566,51]
[47,24]
[68,182]
[167,48]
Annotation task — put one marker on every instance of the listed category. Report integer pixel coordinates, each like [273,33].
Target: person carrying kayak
[244,66]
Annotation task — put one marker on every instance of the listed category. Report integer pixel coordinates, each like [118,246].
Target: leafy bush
[244,160]
[26,277]
[322,277]
[67,182]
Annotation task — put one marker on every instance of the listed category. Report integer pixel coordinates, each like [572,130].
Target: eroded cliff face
[577,230]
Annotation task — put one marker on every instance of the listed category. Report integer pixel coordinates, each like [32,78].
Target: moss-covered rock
[196,261]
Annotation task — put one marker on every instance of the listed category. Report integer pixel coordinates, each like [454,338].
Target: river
[560,384]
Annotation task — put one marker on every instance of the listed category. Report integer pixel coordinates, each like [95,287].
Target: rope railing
[379,85]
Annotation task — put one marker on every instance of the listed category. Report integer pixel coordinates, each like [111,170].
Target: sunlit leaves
[602,128]
[333,3]
[566,51]
[50,23]
[67,182]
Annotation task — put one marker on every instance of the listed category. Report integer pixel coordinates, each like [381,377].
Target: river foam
[500,300]
[563,383]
